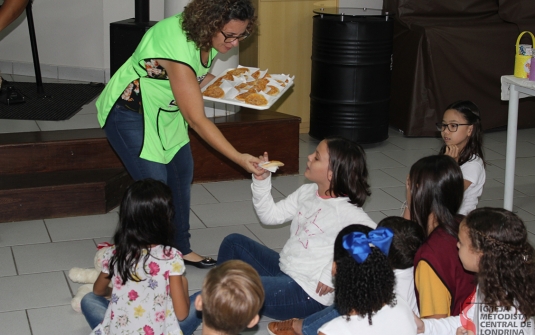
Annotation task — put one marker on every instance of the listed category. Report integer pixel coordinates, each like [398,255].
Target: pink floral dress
[144,307]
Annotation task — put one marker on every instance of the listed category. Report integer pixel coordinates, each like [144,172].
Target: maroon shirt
[441,253]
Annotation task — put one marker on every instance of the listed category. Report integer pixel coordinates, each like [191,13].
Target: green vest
[165,130]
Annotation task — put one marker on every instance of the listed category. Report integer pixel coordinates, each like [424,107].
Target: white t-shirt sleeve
[472,170]
[108,253]
[444,326]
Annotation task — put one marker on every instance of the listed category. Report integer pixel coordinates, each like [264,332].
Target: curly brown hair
[362,288]
[506,275]
[203,19]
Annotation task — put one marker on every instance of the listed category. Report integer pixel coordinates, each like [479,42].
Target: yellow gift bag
[522,62]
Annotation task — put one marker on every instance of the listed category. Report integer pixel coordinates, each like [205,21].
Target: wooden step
[253,132]
[249,131]
[61,194]
[76,172]
[50,151]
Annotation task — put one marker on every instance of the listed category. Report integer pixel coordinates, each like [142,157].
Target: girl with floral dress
[149,293]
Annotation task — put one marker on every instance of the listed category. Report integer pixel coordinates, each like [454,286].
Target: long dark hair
[202,19]
[474,144]
[145,218]
[347,161]
[506,274]
[363,288]
[408,237]
[436,186]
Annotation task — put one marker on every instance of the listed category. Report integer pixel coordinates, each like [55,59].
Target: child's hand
[323,289]
[463,331]
[266,173]
[406,212]
[452,151]
[420,326]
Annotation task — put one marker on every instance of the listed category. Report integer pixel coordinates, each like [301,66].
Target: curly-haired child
[493,242]
[364,286]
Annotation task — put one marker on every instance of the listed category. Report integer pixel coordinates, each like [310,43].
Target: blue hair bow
[358,244]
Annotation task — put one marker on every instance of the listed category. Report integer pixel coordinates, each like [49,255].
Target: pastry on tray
[256,99]
[251,86]
[214,92]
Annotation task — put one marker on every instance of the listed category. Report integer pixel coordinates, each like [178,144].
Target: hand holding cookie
[268,166]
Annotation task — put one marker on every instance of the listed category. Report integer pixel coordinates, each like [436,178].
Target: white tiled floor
[35,256]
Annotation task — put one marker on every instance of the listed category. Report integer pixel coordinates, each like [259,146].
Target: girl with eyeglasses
[149,103]
[463,140]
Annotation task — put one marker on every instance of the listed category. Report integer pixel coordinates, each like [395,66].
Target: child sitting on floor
[232,295]
[364,286]
[493,242]
[408,237]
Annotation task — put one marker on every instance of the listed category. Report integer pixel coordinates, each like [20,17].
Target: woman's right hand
[187,94]
[250,164]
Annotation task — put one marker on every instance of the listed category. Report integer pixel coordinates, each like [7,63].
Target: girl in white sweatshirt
[298,282]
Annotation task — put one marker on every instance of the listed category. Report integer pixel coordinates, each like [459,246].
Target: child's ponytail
[506,273]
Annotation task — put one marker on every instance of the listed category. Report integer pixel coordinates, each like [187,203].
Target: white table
[513,88]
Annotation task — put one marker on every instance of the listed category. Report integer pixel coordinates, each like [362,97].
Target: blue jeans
[94,308]
[124,129]
[284,297]
[312,323]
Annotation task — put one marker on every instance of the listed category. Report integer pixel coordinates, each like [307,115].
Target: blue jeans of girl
[284,297]
[312,323]
[124,129]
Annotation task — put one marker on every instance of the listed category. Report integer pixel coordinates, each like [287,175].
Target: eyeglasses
[451,126]
[230,39]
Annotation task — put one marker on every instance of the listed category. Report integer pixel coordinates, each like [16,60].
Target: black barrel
[351,70]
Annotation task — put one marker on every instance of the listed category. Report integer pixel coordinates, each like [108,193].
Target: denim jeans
[284,297]
[124,129]
[94,308]
[312,323]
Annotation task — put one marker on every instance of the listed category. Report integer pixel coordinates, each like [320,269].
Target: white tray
[271,99]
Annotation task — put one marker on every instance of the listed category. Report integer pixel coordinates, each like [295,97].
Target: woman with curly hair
[364,286]
[494,243]
[148,104]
